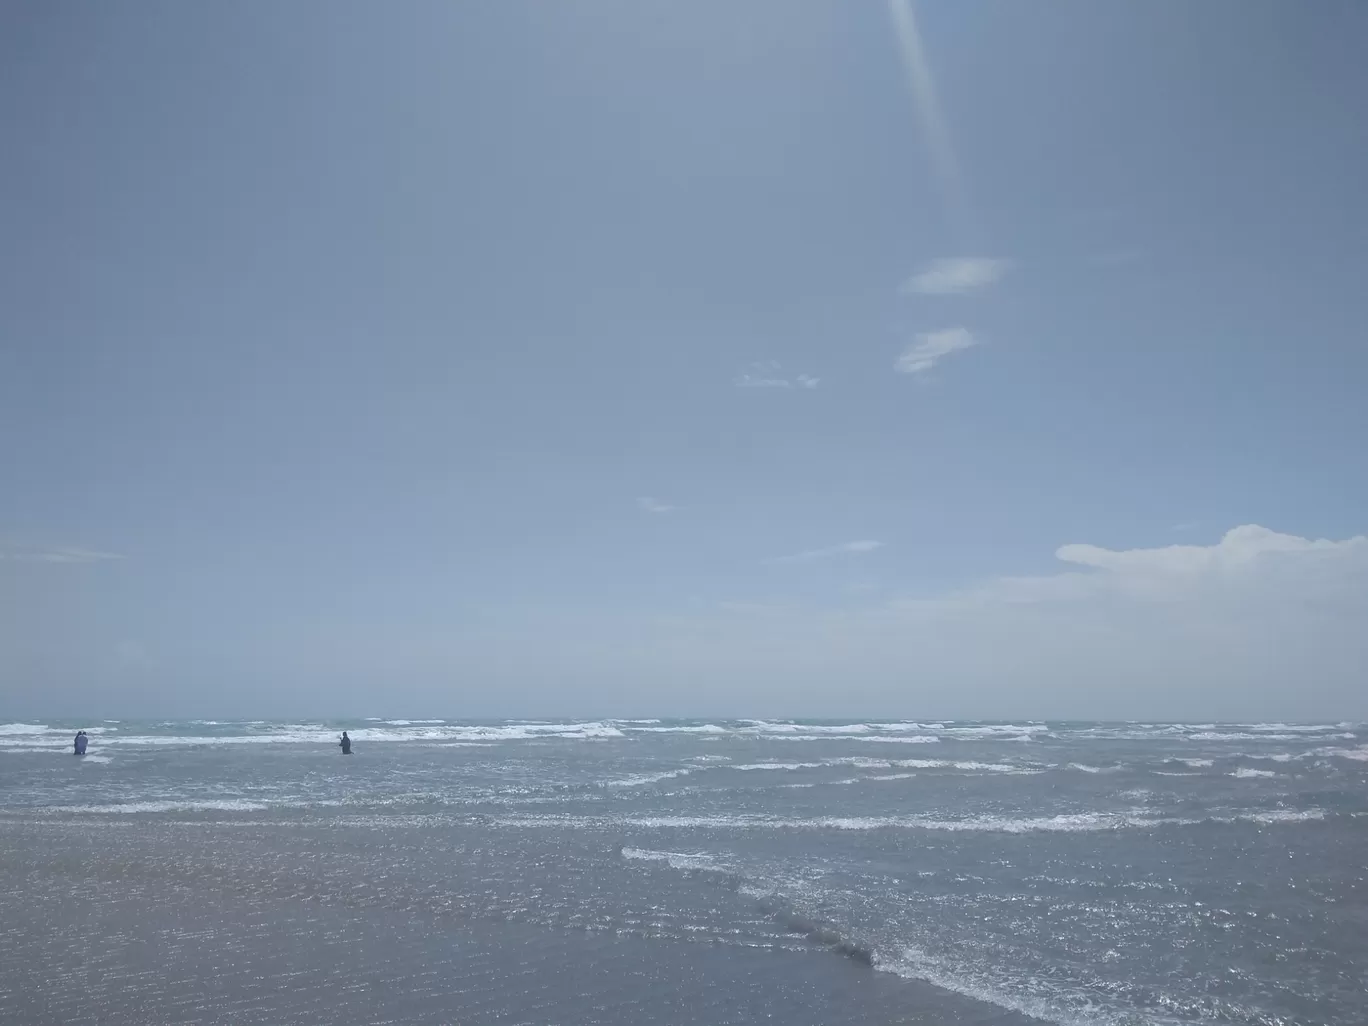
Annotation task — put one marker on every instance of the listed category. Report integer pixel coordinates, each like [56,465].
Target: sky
[633,357]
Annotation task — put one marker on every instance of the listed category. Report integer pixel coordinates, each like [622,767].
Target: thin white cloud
[54,554]
[768,374]
[650,505]
[956,276]
[845,548]
[755,381]
[922,89]
[929,348]
[1175,572]
[1239,547]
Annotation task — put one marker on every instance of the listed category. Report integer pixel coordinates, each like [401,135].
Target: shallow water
[628,872]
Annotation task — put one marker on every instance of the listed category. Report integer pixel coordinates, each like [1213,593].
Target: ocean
[685,872]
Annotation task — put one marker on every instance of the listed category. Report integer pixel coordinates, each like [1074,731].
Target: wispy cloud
[931,347]
[956,276]
[922,88]
[54,554]
[845,548]
[650,505]
[768,374]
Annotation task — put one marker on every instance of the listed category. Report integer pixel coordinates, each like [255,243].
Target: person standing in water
[345,743]
[79,744]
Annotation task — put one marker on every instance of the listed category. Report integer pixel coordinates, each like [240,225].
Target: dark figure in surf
[79,744]
[345,743]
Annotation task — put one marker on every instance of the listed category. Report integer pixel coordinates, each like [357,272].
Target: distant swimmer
[79,744]
[345,743]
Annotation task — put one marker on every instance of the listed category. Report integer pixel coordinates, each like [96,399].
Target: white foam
[642,779]
[706,728]
[1194,763]
[305,733]
[1280,816]
[1216,735]
[675,859]
[915,739]
[1083,767]
[816,731]
[963,766]
[1359,754]
[506,732]
[995,731]
[1245,773]
[1068,823]
[782,727]
[875,779]
[129,808]
[848,760]
[917,965]
[864,763]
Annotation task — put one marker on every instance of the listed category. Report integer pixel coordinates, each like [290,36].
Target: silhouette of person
[78,745]
[345,743]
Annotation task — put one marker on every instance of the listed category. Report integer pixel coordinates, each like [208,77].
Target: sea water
[1118,874]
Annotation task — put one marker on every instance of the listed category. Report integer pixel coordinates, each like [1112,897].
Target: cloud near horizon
[1256,625]
[1246,559]
[1199,632]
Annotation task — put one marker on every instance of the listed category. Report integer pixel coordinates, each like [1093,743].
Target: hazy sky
[721,357]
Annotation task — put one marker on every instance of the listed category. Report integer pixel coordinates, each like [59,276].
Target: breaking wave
[130,808]
[1067,823]
[642,779]
[41,736]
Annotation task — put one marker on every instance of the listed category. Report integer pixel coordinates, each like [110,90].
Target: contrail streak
[923,90]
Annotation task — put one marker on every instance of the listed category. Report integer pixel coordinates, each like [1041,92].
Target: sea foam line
[1069,823]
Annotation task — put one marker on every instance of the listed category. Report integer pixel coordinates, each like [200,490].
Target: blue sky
[644,357]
